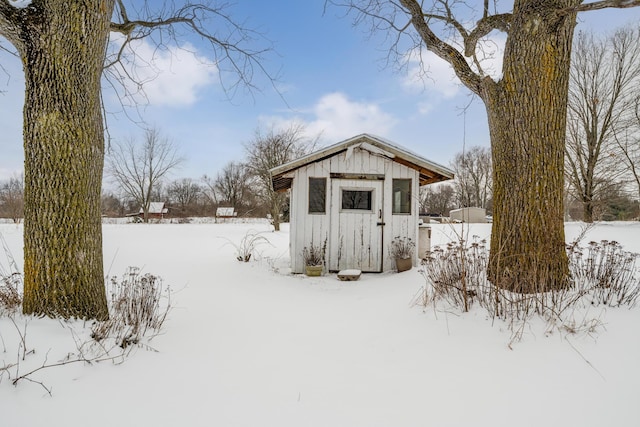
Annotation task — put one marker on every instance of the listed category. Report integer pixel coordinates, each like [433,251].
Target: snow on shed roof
[430,172]
[156,208]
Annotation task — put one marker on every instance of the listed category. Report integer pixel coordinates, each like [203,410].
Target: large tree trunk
[63,55]
[527,121]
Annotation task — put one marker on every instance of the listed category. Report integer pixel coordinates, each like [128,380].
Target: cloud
[425,108]
[433,75]
[436,77]
[171,76]
[336,117]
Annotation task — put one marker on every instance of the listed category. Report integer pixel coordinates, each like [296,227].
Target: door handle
[380,213]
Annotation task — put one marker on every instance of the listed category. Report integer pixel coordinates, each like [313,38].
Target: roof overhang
[430,172]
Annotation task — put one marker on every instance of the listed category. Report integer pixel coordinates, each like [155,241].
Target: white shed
[354,198]
[470,215]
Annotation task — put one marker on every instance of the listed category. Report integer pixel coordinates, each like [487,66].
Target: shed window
[401,196]
[357,200]
[317,195]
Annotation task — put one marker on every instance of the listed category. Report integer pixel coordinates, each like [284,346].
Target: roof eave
[430,172]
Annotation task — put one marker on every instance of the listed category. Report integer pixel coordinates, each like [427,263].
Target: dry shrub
[10,282]
[138,307]
[10,299]
[247,246]
[605,272]
[314,254]
[600,274]
[456,273]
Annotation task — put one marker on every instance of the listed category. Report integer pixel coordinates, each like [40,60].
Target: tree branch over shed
[227,38]
[438,46]
[598,5]
[483,27]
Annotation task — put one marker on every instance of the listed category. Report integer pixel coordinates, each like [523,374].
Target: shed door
[356,225]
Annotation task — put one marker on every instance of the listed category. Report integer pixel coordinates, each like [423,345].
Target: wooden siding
[316,228]
[400,225]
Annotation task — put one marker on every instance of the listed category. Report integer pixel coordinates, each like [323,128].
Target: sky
[332,77]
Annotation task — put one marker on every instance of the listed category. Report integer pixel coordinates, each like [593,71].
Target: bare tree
[271,149]
[526,108]
[12,198]
[473,174]
[112,205]
[185,194]
[437,199]
[209,190]
[62,47]
[628,141]
[605,76]
[233,185]
[139,169]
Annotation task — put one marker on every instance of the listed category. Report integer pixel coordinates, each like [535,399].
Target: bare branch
[604,4]
[10,23]
[444,50]
[435,28]
[484,26]
[227,38]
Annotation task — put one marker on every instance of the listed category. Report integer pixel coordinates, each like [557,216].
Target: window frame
[371,201]
[395,209]
[316,197]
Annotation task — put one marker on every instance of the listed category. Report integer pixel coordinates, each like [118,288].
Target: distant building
[157,210]
[469,215]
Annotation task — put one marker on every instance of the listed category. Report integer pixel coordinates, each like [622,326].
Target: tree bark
[276,210]
[527,121]
[587,210]
[63,52]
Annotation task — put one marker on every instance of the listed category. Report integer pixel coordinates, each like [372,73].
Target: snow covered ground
[248,344]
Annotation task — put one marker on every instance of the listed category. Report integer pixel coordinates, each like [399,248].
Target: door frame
[340,223]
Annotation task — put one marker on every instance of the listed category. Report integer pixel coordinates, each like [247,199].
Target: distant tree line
[470,188]
[240,186]
[139,172]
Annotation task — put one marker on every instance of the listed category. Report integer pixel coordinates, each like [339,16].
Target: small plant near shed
[314,254]
[402,247]
[313,257]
